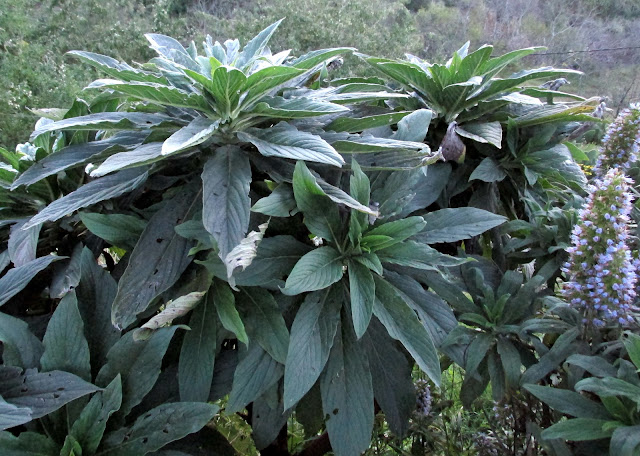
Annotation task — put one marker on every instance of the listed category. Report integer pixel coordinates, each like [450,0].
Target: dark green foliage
[305,233]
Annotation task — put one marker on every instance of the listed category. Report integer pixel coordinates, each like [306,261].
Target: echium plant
[620,148]
[601,273]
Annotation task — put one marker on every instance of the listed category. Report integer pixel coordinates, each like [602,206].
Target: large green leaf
[65,347]
[488,171]
[625,441]
[156,93]
[110,121]
[264,81]
[117,229]
[550,361]
[280,203]
[198,131]
[143,155]
[198,353]
[157,427]
[394,232]
[417,255]
[358,124]
[568,402]
[347,395]
[435,314]
[284,140]
[264,322]
[610,387]
[256,372]
[20,348]
[22,244]
[115,69]
[95,293]
[578,429]
[17,278]
[316,270]
[158,260]
[313,58]
[89,428]
[312,334]
[255,46]
[452,225]
[78,154]
[28,444]
[226,204]
[362,292]
[391,375]
[227,313]
[12,416]
[138,364]
[42,393]
[320,214]
[93,192]
[226,83]
[294,108]
[402,324]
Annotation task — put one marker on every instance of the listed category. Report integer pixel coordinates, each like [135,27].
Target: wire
[589,50]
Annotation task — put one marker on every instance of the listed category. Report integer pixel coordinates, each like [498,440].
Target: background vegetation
[34,37]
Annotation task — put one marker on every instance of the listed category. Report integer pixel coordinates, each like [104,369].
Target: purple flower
[601,274]
[620,144]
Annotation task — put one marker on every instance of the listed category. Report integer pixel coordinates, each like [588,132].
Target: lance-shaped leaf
[391,376]
[313,58]
[264,322]
[65,347]
[417,255]
[347,396]
[43,393]
[172,310]
[28,444]
[12,415]
[117,229]
[23,243]
[158,260]
[256,372]
[451,225]
[391,233]
[198,352]
[89,428]
[157,427]
[358,124]
[263,81]
[286,141]
[243,254]
[115,69]
[226,83]
[95,293]
[143,155]
[402,324]
[341,197]
[579,429]
[20,347]
[312,335]
[138,363]
[483,132]
[295,108]
[156,93]
[488,171]
[95,191]
[280,203]
[320,215]
[110,121]
[77,155]
[17,278]
[316,270]
[254,48]
[569,402]
[362,292]
[198,131]
[226,204]
[365,144]
[227,313]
